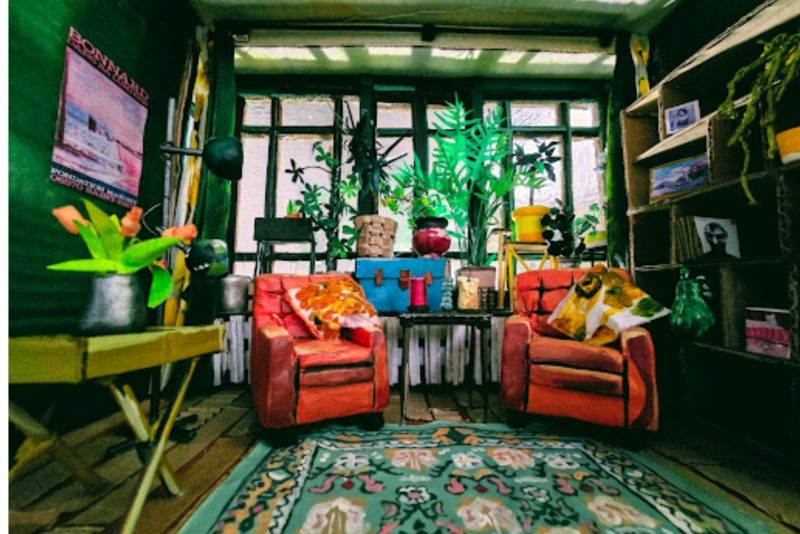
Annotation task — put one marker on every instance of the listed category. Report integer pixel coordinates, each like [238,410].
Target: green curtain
[214,204]
[623,93]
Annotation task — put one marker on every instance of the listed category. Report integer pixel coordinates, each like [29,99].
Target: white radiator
[439,354]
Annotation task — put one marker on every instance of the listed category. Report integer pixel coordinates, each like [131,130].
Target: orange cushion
[574,354]
[576,379]
[325,353]
[317,404]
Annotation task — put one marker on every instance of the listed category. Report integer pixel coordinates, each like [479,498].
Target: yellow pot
[528,221]
[789,145]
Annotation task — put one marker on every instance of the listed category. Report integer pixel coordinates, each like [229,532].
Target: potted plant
[767,78]
[469,180]
[528,219]
[117,303]
[558,232]
[585,228]
[293,210]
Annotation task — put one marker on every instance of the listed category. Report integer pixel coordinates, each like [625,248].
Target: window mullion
[567,151]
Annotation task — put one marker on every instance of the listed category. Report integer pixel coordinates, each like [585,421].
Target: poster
[718,237]
[99,138]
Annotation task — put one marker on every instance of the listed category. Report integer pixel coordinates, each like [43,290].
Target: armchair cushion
[327,353]
[566,352]
[326,306]
[577,379]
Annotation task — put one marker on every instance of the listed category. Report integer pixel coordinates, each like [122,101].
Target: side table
[73,360]
[477,321]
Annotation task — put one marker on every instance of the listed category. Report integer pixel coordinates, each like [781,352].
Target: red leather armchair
[299,379]
[545,373]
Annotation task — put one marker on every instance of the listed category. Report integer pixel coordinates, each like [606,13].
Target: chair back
[538,293]
[271,308]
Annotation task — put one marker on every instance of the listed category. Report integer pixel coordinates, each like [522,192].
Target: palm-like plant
[471,175]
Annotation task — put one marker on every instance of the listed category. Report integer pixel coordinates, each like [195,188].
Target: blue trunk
[384,291]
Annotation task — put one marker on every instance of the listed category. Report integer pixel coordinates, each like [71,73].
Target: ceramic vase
[430,238]
[116,306]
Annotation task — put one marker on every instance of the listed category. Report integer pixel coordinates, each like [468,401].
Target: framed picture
[680,117]
[718,237]
[678,176]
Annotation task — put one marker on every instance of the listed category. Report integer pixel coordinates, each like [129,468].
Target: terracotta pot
[293,215]
[431,239]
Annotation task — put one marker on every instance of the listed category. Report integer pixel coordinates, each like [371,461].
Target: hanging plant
[774,70]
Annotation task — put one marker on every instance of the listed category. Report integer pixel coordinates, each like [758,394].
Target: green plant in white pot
[117,303]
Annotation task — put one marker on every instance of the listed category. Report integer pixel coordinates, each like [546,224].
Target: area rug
[451,478]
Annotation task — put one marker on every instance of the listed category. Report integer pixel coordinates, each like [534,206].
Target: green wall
[148,39]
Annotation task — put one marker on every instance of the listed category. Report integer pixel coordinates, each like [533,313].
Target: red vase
[431,239]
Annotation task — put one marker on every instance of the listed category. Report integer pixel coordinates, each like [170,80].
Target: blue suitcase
[385,281]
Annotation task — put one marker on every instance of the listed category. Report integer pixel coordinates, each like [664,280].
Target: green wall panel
[148,39]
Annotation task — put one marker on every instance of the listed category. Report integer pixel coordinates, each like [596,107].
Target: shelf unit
[768,272]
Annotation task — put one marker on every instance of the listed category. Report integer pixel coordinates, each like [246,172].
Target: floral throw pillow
[601,305]
[327,307]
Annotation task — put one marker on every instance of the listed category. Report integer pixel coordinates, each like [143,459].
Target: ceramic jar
[430,238]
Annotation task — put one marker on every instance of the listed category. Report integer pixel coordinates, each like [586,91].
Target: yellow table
[72,360]
[509,254]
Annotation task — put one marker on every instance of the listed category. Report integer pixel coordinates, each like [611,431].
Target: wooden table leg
[38,441]
[404,376]
[161,437]
[473,356]
[485,371]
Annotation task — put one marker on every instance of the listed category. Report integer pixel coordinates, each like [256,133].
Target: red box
[767,331]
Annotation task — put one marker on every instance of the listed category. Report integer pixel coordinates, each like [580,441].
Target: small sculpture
[468,293]
[447,294]
[690,313]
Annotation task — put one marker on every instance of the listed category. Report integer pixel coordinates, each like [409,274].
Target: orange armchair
[545,373]
[298,379]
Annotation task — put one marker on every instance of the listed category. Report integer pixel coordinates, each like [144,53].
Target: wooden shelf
[694,134]
[646,104]
[715,263]
[742,353]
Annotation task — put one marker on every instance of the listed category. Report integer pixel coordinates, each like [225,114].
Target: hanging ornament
[690,313]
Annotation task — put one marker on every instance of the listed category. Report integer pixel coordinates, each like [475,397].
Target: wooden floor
[46,499]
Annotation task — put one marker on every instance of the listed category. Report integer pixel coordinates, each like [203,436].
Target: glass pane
[257,111]
[489,108]
[552,191]
[354,105]
[587,180]
[252,189]
[347,168]
[394,115]
[405,148]
[296,267]
[300,149]
[432,110]
[584,115]
[307,112]
[244,268]
[534,114]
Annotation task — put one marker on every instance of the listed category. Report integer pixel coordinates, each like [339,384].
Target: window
[277,129]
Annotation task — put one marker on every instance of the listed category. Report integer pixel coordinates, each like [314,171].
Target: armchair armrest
[637,348]
[373,337]
[514,362]
[272,371]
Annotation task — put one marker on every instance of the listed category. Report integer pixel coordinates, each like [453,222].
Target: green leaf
[96,265]
[93,242]
[160,288]
[146,253]
[106,230]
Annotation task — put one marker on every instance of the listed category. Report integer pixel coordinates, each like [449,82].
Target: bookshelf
[718,378]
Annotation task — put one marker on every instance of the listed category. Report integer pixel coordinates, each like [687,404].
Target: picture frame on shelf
[718,237]
[679,176]
[681,117]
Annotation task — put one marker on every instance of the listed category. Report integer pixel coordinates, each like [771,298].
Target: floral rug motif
[450,478]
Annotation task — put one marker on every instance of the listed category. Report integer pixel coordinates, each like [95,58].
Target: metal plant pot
[116,306]
[233,294]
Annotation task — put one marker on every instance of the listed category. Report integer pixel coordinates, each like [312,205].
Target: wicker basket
[375,237]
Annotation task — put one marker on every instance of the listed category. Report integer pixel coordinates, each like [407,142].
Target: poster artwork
[100,131]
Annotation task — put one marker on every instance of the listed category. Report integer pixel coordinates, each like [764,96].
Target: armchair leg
[371,421]
[281,437]
[516,419]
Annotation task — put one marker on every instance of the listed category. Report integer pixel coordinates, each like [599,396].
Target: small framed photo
[680,117]
[678,176]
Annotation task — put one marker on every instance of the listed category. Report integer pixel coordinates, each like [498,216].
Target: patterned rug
[451,478]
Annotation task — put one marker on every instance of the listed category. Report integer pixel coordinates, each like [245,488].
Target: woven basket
[375,236]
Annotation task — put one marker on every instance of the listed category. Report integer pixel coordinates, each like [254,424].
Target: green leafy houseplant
[767,77]
[114,247]
[470,178]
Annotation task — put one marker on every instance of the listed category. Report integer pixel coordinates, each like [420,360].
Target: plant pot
[233,294]
[595,239]
[430,238]
[528,223]
[789,145]
[293,216]
[116,306]
[376,236]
